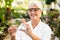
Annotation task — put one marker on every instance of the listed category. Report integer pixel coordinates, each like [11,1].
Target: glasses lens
[35,9]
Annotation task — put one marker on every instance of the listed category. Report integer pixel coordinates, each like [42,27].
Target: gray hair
[37,3]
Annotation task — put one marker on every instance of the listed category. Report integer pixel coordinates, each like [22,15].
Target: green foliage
[2,14]
[48,2]
[54,22]
[8,2]
[57,32]
[5,18]
[2,18]
[53,13]
[17,15]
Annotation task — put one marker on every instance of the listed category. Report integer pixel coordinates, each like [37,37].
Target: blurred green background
[13,9]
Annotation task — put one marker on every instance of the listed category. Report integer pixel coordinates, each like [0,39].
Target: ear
[40,12]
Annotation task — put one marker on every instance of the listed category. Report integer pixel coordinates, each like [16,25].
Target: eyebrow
[33,8]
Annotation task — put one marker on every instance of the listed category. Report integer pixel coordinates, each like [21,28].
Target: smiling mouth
[33,15]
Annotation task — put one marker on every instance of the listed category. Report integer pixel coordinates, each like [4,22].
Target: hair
[37,3]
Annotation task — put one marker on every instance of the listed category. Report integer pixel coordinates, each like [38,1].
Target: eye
[35,9]
[29,9]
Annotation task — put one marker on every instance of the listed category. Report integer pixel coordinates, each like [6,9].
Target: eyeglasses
[35,9]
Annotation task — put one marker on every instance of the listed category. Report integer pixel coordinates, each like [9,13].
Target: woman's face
[34,12]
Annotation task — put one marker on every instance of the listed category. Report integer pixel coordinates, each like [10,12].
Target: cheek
[39,14]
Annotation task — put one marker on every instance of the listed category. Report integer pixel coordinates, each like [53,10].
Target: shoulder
[45,26]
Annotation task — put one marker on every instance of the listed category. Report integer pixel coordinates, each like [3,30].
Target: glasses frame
[35,9]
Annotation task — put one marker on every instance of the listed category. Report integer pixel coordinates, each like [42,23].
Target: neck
[35,23]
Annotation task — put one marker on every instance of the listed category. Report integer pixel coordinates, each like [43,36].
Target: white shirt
[42,30]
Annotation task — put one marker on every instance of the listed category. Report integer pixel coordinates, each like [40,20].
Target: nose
[33,12]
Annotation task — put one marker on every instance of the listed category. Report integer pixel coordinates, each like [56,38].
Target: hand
[12,30]
[27,26]
[28,31]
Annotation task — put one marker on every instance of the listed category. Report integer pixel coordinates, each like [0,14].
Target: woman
[34,29]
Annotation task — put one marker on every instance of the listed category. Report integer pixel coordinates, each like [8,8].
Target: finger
[27,26]
[22,30]
[12,32]
[10,29]
[23,21]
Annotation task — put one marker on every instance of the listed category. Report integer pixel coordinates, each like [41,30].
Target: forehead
[33,6]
